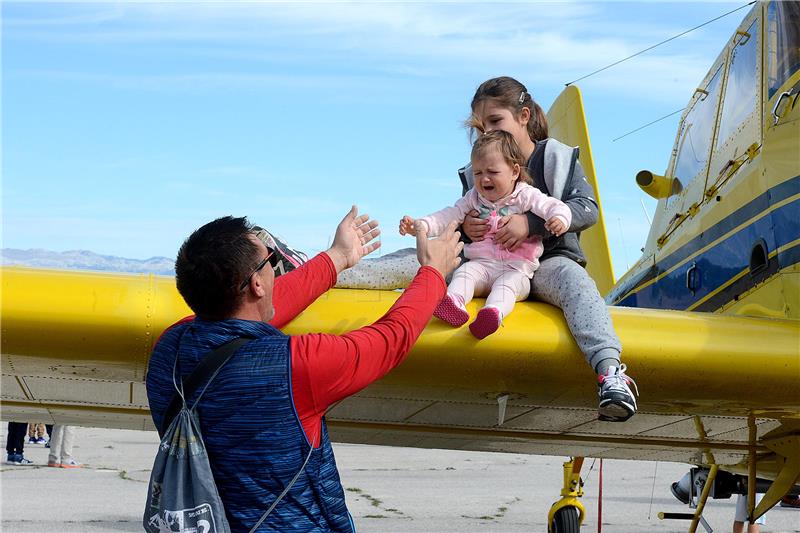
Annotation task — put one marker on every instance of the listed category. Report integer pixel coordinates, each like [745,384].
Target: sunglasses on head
[272,259]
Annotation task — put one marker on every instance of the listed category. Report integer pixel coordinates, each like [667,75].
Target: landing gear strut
[566,515]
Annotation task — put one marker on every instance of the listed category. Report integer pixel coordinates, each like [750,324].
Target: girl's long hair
[512,95]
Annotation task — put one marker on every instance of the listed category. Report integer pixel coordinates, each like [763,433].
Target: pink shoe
[486,323]
[452,311]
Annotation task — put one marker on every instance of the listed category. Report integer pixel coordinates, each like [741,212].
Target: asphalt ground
[388,490]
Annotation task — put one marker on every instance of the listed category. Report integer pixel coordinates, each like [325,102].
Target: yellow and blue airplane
[709,317]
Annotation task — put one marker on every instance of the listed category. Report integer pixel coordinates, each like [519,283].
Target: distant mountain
[85,260]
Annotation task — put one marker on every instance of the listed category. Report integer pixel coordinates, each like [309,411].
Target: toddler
[502,188]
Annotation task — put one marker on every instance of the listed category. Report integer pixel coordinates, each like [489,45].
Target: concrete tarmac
[388,490]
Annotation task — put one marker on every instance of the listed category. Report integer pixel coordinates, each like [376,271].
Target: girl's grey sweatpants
[562,282]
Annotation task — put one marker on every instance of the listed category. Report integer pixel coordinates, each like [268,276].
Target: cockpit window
[783,43]
[740,89]
[697,130]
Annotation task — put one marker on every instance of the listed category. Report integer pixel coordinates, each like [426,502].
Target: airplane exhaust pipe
[725,485]
[657,186]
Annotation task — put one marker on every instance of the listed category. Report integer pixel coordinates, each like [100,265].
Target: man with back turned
[265,409]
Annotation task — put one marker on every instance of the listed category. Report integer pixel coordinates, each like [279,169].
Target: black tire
[566,520]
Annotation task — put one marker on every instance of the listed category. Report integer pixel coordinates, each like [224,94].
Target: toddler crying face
[495,178]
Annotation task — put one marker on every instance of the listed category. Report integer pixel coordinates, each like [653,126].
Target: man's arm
[355,237]
[328,368]
[299,288]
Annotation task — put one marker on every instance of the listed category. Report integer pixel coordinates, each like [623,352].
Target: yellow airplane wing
[75,347]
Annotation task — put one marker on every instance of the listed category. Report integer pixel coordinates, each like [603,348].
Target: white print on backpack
[197,520]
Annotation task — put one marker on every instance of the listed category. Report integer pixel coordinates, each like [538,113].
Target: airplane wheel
[566,520]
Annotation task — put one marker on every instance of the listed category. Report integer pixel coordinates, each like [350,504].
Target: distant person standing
[36,432]
[15,442]
[61,442]
[740,517]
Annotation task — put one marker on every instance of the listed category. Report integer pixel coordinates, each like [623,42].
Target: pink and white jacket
[524,198]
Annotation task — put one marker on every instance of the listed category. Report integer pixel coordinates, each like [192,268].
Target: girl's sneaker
[452,310]
[617,401]
[486,323]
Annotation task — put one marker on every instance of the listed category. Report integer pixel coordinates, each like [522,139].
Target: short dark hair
[212,263]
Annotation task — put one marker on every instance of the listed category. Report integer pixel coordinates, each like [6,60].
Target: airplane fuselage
[726,237]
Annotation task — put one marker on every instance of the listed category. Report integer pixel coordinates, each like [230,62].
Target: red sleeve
[328,368]
[298,289]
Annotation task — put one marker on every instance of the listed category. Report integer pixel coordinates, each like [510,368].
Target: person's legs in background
[740,517]
[36,433]
[15,442]
[61,448]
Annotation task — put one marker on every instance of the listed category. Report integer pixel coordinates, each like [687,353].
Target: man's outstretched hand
[441,253]
[356,236]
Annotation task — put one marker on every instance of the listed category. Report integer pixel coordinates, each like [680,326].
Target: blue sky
[127,125]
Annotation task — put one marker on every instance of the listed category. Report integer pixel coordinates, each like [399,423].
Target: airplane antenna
[648,124]
[662,42]
[652,493]
[646,215]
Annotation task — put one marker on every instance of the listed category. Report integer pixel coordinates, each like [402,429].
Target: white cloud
[345,48]
[355,43]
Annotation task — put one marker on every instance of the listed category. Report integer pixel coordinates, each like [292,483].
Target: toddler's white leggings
[504,285]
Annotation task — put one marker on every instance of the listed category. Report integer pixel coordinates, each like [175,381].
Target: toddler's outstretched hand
[407,226]
[556,225]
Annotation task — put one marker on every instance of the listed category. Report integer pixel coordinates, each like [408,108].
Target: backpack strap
[208,366]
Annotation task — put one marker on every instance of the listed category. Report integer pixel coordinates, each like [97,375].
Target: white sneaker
[617,402]
[18,459]
[71,463]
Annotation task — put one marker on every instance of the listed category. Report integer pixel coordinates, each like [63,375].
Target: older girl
[561,280]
